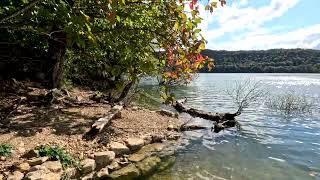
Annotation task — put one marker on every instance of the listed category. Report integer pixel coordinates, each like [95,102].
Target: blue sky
[263,24]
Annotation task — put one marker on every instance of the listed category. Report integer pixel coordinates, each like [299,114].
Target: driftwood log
[99,125]
[221,120]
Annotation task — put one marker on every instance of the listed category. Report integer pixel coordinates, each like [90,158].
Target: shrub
[57,154]
[5,150]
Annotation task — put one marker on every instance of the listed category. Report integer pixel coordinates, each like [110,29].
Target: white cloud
[245,25]
[233,18]
[307,37]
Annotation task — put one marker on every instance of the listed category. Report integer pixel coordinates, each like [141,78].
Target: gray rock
[104,158]
[128,172]
[16,175]
[119,148]
[103,173]
[37,161]
[53,166]
[134,143]
[88,166]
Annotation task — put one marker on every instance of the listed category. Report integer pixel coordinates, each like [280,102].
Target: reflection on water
[269,146]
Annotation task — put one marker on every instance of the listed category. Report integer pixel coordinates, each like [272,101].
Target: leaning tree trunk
[57,50]
[222,120]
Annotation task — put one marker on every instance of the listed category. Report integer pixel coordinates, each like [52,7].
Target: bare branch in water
[246,92]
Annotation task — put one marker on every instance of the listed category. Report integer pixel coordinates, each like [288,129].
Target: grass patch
[5,150]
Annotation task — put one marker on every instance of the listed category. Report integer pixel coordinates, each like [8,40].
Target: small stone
[104,158]
[147,140]
[21,150]
[1,177]
[158,138]
[134,143]
[114,166]
[31,154]
[173,136]
[37,161]
[119,148]
[103,173]
[23,167]
[88,176]
[53,166]
[37,167]
[88,166]
[128,172]
[2,158]
[170,127]
[16,175]
[135,108]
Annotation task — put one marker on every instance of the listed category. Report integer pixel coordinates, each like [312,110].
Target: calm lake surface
[270,145]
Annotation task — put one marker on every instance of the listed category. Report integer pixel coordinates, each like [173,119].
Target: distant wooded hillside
[265,61]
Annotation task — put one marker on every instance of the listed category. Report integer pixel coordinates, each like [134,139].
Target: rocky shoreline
[136,159]
[143,148]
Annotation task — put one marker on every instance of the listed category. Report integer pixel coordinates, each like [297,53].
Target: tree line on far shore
[265,61]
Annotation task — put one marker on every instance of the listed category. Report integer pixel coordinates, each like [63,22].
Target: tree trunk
[57,50]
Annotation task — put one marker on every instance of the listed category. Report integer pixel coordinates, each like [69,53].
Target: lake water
[270,145]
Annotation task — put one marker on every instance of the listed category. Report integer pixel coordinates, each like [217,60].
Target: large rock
[134,143]
[149,165]
[103,173]
[23,167]
[128,172]
[88,166]
[53,166]
[119,148]
[42,175]
[71,173]
[104,158]
[16,175]
[146,151]
[37,161]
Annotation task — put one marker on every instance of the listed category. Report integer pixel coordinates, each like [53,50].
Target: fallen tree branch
[99,125]
[222,120]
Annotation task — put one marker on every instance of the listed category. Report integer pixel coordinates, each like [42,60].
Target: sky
[263,24]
